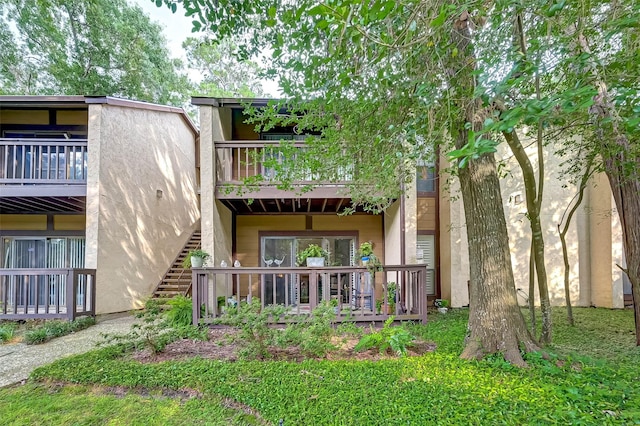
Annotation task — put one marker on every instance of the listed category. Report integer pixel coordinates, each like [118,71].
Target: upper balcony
[240,160]
[44,168]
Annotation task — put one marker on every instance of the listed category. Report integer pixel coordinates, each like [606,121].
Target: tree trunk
[563,236]
[496,323]
[533,210]
[626,193]
[531,301]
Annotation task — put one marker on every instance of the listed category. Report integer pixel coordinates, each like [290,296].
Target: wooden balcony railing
[47,293]
[302,289]
[48,161]
[239,160]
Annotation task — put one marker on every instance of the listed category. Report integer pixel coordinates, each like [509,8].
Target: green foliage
[90,405]
[223,74]
[81,47]
[312,250]
[365,249]
[311,333]
[441,303]
[349,328]
[409,390]
[395,338]
[155,330]
[253,322]
[52,329]
[7,331]
[180,313]
[201,254]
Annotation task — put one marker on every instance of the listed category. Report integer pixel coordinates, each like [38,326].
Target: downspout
[402,225]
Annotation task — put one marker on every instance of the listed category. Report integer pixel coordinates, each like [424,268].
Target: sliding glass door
[280,251]
[41,253]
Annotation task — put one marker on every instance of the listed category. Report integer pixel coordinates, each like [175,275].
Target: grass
[592,378]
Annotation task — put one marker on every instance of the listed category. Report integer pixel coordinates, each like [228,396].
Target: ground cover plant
[591,375]
[7,332]
[51,329]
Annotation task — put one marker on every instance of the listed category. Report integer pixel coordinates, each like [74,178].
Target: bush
[180,313]
[395,338]
[253,322]
[52,329]
[155,330]
[7,331]
[312,333]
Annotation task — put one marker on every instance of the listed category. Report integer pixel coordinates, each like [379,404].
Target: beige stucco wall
[392,234]
[141,200]
[215,124]
[454,248]
[590,237]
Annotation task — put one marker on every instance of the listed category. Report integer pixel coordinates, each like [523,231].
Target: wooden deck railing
[355,290]
[47,293]
[50,161]
[239,160]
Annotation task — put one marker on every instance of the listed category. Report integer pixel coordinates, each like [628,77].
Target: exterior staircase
[177,280]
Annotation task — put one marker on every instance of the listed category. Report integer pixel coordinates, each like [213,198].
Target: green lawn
[595,380]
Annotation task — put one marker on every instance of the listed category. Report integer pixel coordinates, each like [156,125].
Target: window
[425,254]
[281,251]
[425,176]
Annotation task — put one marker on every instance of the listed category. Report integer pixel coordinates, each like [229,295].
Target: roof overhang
[68,101]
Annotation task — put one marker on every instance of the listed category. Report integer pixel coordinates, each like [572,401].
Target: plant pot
[197,262]
[364,260]
[443,310]
[315,261]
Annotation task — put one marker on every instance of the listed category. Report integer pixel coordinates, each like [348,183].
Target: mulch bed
[223,345]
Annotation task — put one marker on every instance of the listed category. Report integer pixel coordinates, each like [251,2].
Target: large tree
[385,82]
[223,74]
[82,47]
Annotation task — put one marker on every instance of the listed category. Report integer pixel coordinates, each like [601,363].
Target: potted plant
[195,259]
[442,305]
[367,257]
[366,251]
[313,255]
[391,294]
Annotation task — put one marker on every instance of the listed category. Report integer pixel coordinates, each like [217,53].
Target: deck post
[422,283]
[71,288]
[313,289]
[195,291]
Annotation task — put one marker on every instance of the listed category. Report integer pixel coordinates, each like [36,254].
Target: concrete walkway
[18,360]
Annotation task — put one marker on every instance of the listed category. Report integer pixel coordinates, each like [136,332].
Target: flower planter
[315,261]
[197,262]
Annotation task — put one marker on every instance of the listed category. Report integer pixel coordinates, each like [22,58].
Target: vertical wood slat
[411,280]
[40,155]
[195,294]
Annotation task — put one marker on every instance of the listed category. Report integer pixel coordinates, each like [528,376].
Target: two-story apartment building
[95,184]
[263,225]
[105,192]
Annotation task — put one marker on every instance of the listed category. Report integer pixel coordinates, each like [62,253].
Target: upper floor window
[426,176]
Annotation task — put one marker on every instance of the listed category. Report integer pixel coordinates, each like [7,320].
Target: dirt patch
[224,345]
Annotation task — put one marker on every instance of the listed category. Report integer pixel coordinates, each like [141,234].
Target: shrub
[253,322]
[36,336]
[312,333]
[52,329]
[7,331]
[180,311]
[155,331]
[395,338]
